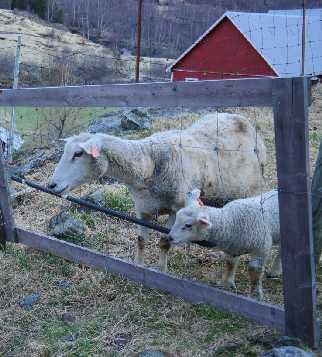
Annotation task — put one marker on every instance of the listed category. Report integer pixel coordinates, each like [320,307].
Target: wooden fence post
[290,98]
[7,226]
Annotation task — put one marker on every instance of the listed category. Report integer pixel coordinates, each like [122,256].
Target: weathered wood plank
[291,138]
[234,92]
[7,226]
[192,291]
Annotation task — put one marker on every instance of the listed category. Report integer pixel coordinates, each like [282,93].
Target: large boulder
[135,119]
[109,123]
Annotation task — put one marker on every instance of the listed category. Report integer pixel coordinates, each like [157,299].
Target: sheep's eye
[77,154]
[188,225]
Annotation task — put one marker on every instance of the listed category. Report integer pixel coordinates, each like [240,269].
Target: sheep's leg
[142,237]
[276,269]
[165,245]
[256,270]
[231,265]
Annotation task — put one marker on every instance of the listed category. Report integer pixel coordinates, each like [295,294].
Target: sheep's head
[81,162]
[192,221]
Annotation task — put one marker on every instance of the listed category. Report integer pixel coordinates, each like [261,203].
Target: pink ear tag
[204,222]
[94,152]
[201,204]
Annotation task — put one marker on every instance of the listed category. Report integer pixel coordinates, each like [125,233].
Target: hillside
[169,26]
[54,55]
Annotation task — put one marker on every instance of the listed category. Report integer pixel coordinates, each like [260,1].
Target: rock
[71,338]
[64,226]
[29,301]
[152,353]
[135,119]
[288,351]
[37,160]
[63,284]
[272,341]
[120,340]
[67,317]
[96,197]
[287,341]
[109,123]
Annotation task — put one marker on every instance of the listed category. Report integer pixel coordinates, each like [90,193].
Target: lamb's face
[80,163]
[190,225]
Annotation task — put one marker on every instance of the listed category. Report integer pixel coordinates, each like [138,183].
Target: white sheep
[244,226]
[222,154]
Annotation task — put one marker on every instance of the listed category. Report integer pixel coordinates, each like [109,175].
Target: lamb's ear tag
[94,151]
[204,222]
[201,204]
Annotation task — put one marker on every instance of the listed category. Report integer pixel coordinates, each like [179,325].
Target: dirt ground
[109,316]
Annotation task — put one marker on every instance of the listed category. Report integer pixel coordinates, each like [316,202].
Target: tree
[19,4]
[39,7]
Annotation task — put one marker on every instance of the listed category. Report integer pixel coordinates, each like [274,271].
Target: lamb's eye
[77,154]
[188,225]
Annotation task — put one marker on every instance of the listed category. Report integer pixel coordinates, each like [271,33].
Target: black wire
[107,211]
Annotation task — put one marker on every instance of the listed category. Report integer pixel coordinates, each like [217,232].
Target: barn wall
[223,53]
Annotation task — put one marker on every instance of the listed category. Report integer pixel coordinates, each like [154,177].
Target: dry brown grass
[105,306]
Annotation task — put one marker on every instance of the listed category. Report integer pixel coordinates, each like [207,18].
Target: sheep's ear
[204,222]
[193,198]
[91,148]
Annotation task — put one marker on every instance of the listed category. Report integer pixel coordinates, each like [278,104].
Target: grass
[104,307]
[30,122]
[119,200]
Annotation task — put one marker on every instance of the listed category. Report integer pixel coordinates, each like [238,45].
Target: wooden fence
[289,98]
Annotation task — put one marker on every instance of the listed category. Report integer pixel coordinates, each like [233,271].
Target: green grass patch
[55,331]
[22,258]
[119,200]
[221,321]
[36,125]
[87,218]
[315,138]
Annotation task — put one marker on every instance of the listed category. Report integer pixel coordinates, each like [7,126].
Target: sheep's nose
[170,239]
[52,185]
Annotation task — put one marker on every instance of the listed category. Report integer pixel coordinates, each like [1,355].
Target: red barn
[241,45]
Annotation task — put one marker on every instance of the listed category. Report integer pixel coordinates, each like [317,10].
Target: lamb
[221,154]
[244,226]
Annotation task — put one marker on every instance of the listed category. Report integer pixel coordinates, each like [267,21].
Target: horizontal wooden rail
[194,292]
[223,93]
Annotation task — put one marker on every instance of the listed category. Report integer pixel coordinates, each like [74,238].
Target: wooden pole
[16,71]
[303,37]
[292,153]
[317,208]
[7,226]
[138,41]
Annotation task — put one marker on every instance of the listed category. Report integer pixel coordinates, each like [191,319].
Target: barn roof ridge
[277,57]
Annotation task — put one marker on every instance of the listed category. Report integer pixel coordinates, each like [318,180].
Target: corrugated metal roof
[17,140]
[298,12]
[278,38]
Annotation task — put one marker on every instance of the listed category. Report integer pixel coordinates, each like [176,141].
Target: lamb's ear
[193,198]
[91,148]
[204,222]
